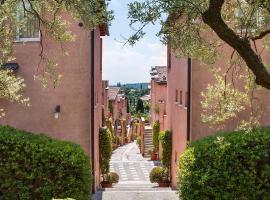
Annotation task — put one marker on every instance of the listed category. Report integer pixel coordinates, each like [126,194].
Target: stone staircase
[148,142]
[139,192]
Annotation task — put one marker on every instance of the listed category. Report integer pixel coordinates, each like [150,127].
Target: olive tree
[199,29]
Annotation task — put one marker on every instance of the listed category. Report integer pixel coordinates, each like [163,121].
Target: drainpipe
[92,96]
[189,99]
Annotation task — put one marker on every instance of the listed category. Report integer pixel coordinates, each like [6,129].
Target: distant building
[158,94]
[146,98]
[117,103]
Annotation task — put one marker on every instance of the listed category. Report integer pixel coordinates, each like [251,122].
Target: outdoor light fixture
[57,111]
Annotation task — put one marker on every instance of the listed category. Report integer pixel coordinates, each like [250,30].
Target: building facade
[158,95]
[117,104]
[187,79]
[71,111]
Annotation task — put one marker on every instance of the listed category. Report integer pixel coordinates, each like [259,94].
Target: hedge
[165,138]
[105,146]
[232,165]
[156,130]
[38,167]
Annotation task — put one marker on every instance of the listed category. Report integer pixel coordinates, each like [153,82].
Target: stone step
[136,195]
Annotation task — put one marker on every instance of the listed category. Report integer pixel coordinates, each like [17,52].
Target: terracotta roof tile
[159,73]
[113,92]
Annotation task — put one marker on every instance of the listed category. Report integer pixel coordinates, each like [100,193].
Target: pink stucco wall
[119,108]
[73,93]
[105,98]
[177,114]
[158,99]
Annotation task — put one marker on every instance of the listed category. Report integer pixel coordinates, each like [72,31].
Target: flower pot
[106,184]
[164,184]
[154,156]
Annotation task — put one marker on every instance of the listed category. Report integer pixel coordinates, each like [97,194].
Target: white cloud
[131,64]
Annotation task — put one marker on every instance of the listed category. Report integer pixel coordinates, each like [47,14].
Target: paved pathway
[130,165]
[134,182]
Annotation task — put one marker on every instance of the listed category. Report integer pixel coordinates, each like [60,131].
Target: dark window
[181,97]
[176,96]
[186,100]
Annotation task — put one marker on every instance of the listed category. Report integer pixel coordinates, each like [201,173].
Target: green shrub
[165,138]
[158,175]
[114,177]
[233,165]
[105,149]
[139,141]
[156,130]
[38,167]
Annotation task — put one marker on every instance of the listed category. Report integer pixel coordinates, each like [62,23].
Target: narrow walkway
[134,182]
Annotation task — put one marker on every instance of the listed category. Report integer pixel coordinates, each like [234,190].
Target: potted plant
[109,179]
[153,154]
[160,175]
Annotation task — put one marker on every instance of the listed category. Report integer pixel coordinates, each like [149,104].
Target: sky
[130,64]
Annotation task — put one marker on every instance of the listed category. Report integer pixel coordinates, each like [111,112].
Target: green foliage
[111,107]
[47,16]
[139,141]
[105,149]
[111,177]
[233,165]
[11,88]
[140,107]
[156,130]
[158,175]
[38,167]
[192,30]
[165,138]
[133,95]
[222,102]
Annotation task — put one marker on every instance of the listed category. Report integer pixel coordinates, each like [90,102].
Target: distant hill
[137,85]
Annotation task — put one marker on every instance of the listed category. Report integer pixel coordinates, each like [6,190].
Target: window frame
[181,98]
[26,39]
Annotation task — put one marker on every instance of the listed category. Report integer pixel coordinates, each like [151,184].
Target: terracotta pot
[106,184]
[164,184]
[154,156]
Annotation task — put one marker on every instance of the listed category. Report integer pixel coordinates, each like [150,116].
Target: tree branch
[212,17]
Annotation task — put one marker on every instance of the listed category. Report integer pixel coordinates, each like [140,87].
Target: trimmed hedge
[234,165]
[38,167]
[165,138]
[105,146]
[156,130]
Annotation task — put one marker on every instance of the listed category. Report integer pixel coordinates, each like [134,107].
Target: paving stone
[134,184]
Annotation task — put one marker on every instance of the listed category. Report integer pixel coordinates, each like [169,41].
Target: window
[186,100]
[181,98]
[28,29]
[176,96]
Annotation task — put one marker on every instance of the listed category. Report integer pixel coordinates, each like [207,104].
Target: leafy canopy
[199,29]
[47,15]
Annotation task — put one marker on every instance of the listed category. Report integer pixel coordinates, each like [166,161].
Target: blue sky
[130,64]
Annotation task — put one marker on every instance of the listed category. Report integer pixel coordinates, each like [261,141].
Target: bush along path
[134,183]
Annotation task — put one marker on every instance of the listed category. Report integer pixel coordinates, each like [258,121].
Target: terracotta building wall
[158,99]
[201,77]
[73,93]
[98,101]
[105,98]
[177,115]
[176,110]
[73,122]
